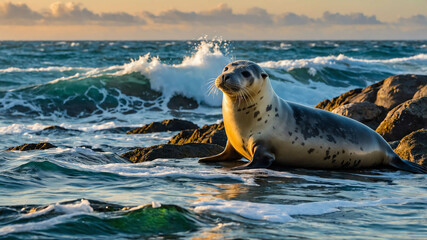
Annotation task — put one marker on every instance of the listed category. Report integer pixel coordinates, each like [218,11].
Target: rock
[404,119]
[387,93]
[114,130]
[214,134]
[421,93]
[32,146]
[343,99]
[394,144]
[181,102]
[413,147]
[365,112]
[189,150]
[164,126]
[398,89]
[58,130]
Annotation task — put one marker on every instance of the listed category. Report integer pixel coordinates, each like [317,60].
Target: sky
[231,20]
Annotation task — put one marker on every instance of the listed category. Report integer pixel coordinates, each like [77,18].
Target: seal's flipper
[262,158]
[407,165]
[229,154]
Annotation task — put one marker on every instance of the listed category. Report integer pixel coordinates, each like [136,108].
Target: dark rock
[394,144]
[32,146]
[413,147]
[181,102]
[404,119]
[114,130]
[387,93]
[365,112]
[214,134]
[58,130]
[189,150]
[164,126]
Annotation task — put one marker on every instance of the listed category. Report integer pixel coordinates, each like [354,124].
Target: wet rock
[32,146]
[404,119]
[413,147]
[387,93]
[214,134]
[181,102]
[164,126]
[398,89]
[367,113]
[421,93]
[58,130]
[394,144]
[114,130]
[189,150]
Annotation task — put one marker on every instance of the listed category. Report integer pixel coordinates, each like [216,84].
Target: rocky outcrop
[387,93]
[164,126]
[189,150]
[413,147]
[395,107]
[181,102]
[404,119]
[32,146]
[367,113]
[214,134]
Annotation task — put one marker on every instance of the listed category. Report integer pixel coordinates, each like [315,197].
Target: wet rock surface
[164,126]
[404,119]
[32,146]
[413,147]
[189,150]
[181,102]
[214,134]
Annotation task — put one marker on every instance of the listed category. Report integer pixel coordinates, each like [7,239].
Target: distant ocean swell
[148,83]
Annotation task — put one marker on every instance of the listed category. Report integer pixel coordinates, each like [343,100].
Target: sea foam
[282,213]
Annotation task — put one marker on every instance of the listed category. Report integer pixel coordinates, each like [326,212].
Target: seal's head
[241,78]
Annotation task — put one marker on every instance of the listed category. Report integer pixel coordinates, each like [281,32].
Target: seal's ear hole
[246,74]
[264,75]
[225,69]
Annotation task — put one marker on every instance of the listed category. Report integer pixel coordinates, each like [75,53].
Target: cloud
[414,20]
[17,14]
[222,15]
[349,19]
[72,13]
[62,14]
[291,19]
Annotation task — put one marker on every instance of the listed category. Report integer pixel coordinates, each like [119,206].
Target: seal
[268,130]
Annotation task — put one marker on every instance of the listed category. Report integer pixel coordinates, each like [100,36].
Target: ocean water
[97,89]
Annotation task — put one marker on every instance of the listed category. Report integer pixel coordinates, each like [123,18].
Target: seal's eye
[246,74]
[225,69]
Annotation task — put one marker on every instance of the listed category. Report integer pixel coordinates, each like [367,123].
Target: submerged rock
[413,147]
[189,150]
[214,134]
[32,146]
[164,126]
[367,113]
[181,102]
[404,119]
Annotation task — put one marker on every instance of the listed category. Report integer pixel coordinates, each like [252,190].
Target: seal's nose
[225,77]
[222,80]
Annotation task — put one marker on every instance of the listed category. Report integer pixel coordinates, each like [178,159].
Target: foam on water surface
[283,213]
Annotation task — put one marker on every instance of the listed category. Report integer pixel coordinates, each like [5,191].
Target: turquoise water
[97,90]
